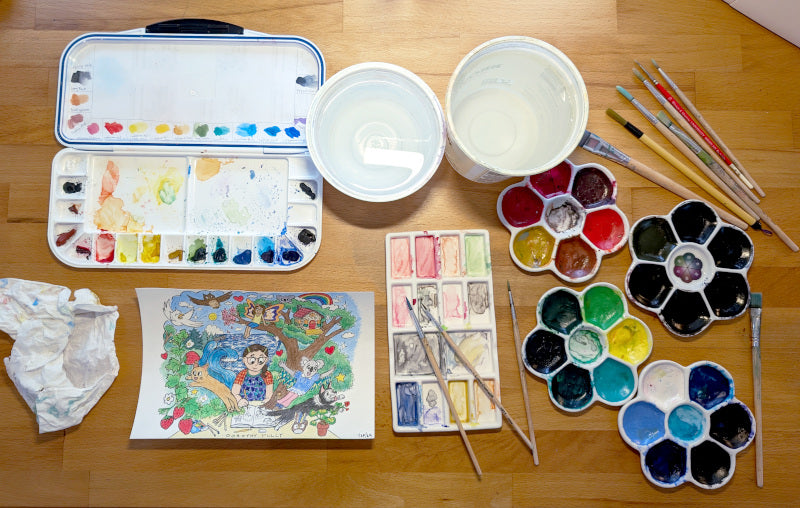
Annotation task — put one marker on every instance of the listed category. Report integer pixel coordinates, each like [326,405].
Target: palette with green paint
[586,346]
[186,150]
[449,274]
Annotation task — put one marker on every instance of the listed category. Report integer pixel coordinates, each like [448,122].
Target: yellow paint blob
[180,130]
[534,247]
[111,216]
[458,394]
[162,128]
[175,256]
[473,348]
[207,168]
[127,247]
[629,341]
[138,127]
[151,248]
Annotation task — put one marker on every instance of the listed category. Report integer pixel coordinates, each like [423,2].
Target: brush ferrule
[755,325]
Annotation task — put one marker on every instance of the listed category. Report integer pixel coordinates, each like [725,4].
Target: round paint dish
[376,132]
[586,346]
[563,220]
[689,268]
[686,424]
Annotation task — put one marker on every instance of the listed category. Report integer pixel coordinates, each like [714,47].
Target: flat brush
[755,326]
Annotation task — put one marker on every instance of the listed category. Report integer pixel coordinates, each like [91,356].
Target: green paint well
[585,346]
[476,261]
[614,381]
[602,306]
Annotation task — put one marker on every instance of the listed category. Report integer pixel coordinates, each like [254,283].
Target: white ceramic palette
[449,274]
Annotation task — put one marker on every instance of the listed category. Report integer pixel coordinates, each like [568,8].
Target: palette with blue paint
[586,346]
[449,274]
[186,150]
[687,424]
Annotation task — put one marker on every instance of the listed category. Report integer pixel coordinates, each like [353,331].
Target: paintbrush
[482,383]
[443,386]
[708,127]
[595,144]
[522,377]
[755,327]
[685,170]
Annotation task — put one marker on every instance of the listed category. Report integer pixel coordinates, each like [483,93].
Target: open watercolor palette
[689,268]
[586,346]
[564,220]
[448,273]
[686,424]
[185,151]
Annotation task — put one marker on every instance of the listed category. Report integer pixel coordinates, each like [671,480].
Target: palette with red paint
[186,150]
[449,274]
[563,220]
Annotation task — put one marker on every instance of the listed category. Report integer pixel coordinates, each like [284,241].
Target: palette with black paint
[687,424]
[448,273]
[564,220]
[689,267]
[187,150]
[586,346]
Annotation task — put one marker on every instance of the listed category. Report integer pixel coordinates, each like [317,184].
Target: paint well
[426,257]
[407,396]
[220,254]
[666,462]
[732,425]
[151,248]
[104,248]
[731,248]
[554,181]
[728,294]
[686,313]
[602,306]
[427,298]
[478,302]
[584,346]
[575,258]
[243,257]
[711,464]
[453,305]
[694,221]
[266,249]
[533,247]
[643,423]
[614,381]
[663,384]
[288,253]
[564,215]
[560,311]
[197,251]
[460,397]
[593,188]
[521,206]
[649,285]
[451,255]
[605,229]
[477,262]
[653,239]
[544,351]
[571,387]
[629,341]
[709,386]
[686,423]
[400,316]
[127,248]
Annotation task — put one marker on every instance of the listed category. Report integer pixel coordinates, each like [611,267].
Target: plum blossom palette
[449,275]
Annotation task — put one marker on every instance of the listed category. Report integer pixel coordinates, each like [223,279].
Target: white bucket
[376,132]
[515,106]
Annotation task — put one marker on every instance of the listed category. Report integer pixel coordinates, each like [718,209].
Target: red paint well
[553,181]
[604,228]
[521,207]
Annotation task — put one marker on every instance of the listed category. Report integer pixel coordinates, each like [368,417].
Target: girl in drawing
[304,379]
[255,313]
[253,385]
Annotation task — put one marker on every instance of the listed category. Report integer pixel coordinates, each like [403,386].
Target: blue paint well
[709,386]
[292,132]
[272,131]
[408,397]
[666,462]
[614,381]
[288,253]
[572,387]
[266,250]
[221,130]
[246,130]
[243,258]
[686,423]
[643,423]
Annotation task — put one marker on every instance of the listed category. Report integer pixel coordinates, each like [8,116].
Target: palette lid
[187,83]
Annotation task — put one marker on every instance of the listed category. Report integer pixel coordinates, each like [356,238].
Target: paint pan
[686,424]
[689,268]
[515,106]
[186,151]
[449,274]
[586,346]
[376,132]
[563,220]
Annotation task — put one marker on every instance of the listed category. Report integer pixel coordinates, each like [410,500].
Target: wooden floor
[741,76]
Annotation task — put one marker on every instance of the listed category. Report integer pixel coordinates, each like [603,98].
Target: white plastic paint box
[186,149]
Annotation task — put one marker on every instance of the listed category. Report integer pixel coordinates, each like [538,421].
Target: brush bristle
[655,63]
[638,75]
[616,116]
[755,300]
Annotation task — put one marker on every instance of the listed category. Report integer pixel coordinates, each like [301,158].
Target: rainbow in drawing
[318,298]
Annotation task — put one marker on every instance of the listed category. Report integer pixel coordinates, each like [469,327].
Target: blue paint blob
[708,386]
[614,381]
[243,258]
[407,404]
[292,132]
[252,174]
[666,462]
[732,425]
[272,131]
[221,130]
[266,250]
[219,255]
[246,130]
[686,422]
[288,253]
[572,387]
[643,423]
[711,464]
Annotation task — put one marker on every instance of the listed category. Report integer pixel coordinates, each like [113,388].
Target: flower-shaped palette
[686,424]
[563,220]
[586,346]
[689,268]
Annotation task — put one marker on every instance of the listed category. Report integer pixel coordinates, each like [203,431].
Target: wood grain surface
[744,80]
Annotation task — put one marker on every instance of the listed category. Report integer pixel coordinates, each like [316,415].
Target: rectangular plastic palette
[186,150]
[449,273]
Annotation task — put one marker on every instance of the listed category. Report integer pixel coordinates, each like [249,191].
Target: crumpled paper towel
[63,358]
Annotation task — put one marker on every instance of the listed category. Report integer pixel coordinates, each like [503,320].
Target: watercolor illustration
[238,364]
